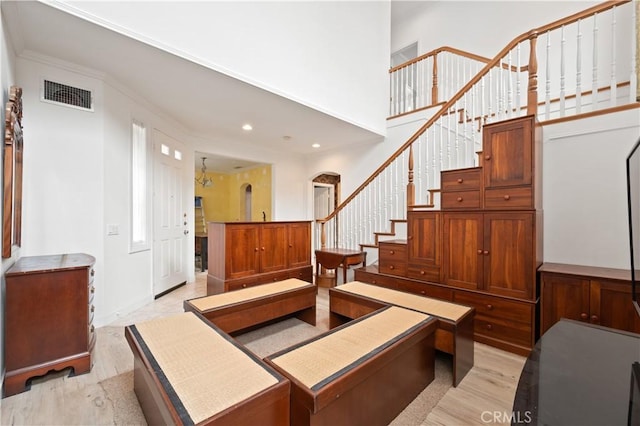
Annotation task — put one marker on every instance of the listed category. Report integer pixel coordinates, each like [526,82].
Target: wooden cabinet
[511,155]
[49,317]
[423,244]
[242,254]
[461,189]
[393,257]
[589,294]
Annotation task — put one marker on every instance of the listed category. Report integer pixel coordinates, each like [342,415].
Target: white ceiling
[209,104]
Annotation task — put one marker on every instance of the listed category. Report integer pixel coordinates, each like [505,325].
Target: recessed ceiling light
[315,145]
[247,127]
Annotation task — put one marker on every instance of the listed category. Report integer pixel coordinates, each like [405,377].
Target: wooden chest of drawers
[461,189]
[49,315]
[393,257]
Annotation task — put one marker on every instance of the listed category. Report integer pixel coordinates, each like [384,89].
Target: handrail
[531,103]
[435,52]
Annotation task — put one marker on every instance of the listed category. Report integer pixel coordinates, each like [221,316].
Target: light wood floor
[87,400]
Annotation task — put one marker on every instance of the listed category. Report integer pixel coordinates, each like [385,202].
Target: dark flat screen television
[633,196]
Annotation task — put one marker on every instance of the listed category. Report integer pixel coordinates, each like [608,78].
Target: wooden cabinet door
[507,149]
[242,247]
[611,306]
[563,297]
[274,247]
[462,252]
[423,238]
[299,244]
[508,252]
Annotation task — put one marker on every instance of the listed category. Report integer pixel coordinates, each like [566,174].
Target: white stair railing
[505,87]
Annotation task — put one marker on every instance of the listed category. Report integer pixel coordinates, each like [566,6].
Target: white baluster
[579,70]
[562,72]
[518,88]
[510,85]
[594,84]
[547,91]
[613,86]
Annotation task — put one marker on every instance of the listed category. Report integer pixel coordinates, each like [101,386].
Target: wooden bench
[455,328]
[187,371]
[238,310]
[362,373]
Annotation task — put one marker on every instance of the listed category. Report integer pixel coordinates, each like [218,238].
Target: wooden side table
[334,258]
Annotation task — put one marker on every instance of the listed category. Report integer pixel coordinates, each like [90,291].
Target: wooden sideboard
[244,254]
[49,316]
[483,246]
[600,296]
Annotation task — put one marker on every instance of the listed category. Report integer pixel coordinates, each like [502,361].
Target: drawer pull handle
[479,251]
[391,267]
[595,319]
[506,197]
[489,326]
[489,306]
[256,249]
[244,286]
[487,157]
[584,316]
[422,272]
[392,252]
[486,252]
[262,248]
[459,199]
[460,180]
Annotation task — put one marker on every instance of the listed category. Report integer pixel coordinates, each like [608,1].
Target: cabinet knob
[423,292]
[290,245]
[391,267]
[422,272]
[489,306]
[255,249]
[489,326]
[584,316]
[487,157]
[486,252]
[595,319]
[410,237]
[506,197]
[460,180]
[479,251]
[244,286]
[459,199]
[262,248]
[392,252]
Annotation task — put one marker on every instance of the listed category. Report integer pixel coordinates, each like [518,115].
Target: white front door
[169,214]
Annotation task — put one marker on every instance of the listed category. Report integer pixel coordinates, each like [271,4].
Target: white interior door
[323,200]
[170,214]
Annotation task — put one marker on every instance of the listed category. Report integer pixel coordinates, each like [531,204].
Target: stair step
[384,233]
[420,206]
[368,245]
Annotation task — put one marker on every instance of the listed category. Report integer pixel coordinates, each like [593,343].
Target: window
[140,199]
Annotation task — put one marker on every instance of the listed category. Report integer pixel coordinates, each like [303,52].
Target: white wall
[311,52]
[584,190]
[480,27]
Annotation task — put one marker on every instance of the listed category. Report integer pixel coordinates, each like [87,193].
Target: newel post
[323,235]
[532,91]
[411,190]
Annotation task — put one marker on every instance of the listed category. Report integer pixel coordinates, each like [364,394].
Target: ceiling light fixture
[247,127]
[204,180]
[315,145]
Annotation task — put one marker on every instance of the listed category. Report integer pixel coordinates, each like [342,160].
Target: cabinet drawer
[512,332]
[495,307]
[393,258]
[428,290]
[460,180]
[508,198]
[460,200]
[376,279]
[424,273]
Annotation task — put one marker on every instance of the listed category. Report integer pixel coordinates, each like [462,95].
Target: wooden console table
[334,258]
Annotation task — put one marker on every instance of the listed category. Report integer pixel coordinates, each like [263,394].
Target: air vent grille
[67,95]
